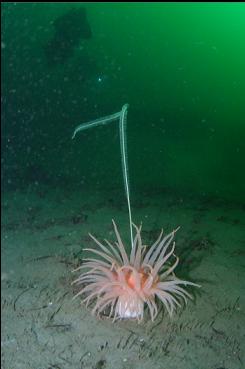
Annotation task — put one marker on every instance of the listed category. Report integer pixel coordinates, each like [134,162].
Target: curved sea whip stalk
[122,117]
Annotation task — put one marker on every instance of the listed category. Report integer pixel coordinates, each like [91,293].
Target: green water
[180,67]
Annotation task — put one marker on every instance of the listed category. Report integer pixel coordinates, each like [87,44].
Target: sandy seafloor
[43,233]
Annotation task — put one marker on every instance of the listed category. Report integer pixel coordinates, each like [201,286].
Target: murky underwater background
[181,69]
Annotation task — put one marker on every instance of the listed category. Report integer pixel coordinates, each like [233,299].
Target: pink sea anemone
[123,285]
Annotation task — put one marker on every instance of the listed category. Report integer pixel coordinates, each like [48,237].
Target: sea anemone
[123,285]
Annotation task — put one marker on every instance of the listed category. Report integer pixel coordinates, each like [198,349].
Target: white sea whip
[121,116]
